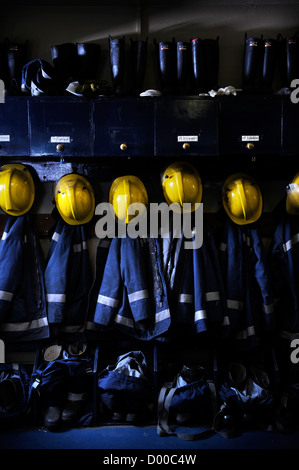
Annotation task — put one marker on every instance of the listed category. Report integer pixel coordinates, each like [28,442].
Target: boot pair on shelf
[188,67]
[263,56]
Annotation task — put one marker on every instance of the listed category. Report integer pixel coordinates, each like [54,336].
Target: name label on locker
[250,138]
[60,139]
[187,138]
[4,138]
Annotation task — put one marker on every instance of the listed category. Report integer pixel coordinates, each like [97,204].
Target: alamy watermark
[2,92]
[2,352]
[159,220]
[295,93]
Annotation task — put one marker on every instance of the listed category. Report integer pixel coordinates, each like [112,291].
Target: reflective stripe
[244,334]
[226,321]
[138,295]
[124,321]
[30,325]
[102,299]
[160,316]
[268,308]
[288,245]
[90,325]
[235,304]
[163,315]
[72,328]
[223,246]
[246,239]
[4,235]
[76,396]
[55,236]
[288,335]
[186,298]
[212,296]
[200,315]
[80,247]
[8,296]
[59,298]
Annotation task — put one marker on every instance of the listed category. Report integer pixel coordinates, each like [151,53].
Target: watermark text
[159,221]
[2,352]
[295,93]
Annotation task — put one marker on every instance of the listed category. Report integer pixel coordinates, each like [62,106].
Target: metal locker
[124,127]
[250,125]
[14,139]
[60,127]
[186,127]
[290,127]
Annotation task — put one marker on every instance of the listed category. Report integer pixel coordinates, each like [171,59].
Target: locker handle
[186,145]
[60,147]
[250,145]
[123,146]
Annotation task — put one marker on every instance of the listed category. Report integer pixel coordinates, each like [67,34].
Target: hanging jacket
[92,329]
[248,285]
[133,293]
[195,285]
[23,314]
[284,259]
[68,278]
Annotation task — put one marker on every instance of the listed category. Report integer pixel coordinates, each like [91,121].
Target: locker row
[73,127]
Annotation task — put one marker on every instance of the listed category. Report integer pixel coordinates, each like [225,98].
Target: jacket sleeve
[134,272]
[56,272]
[262,276]
[11,262]
[110,293]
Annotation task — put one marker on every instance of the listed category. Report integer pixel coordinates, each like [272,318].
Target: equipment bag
[246,394]
[14,390]
[124,388]
[187,401]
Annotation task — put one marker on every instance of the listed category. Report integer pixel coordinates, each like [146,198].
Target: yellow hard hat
[126,190]
[292,199]
[74,199]
[242,199]
[17,191]
[181,184]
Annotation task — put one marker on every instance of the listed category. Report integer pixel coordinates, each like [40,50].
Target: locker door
[290,127]
[186,127]
[14,140]
[250,124]
[60,127]
[124,127]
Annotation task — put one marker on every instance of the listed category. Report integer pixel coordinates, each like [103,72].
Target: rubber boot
[197,65]
[138,64]
[88,61]
[269,64]
[167,67]
[292,58]
[183,64]
[281,60]
[211,63]
[252,67]
[64,58]
[117,64]
[16,59]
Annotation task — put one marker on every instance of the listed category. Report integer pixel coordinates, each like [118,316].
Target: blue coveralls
[68,279]
[23,314]
[248,285]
